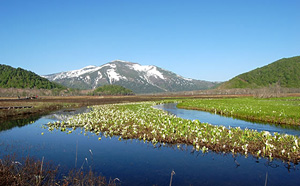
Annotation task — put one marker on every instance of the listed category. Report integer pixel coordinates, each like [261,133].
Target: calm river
[206,117]
[137,163]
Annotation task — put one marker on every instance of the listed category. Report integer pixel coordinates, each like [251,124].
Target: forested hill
[284,72]
[112,90]
[19,78]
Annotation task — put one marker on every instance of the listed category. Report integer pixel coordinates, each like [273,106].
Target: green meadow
[284,110]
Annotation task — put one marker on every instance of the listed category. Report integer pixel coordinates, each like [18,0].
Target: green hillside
[19,78]
[284,72]
[112,90]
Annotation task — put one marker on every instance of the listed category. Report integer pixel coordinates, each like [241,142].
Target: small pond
[137,163]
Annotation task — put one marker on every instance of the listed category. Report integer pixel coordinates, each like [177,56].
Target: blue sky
[211,40]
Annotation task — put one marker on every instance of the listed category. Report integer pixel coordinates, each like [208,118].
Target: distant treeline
[112,90]
[19,78]
[27,92]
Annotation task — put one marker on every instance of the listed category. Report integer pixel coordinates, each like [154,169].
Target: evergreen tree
[19,78]
[112,90]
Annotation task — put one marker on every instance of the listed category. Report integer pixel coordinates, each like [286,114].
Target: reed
[29,172]
[171,179]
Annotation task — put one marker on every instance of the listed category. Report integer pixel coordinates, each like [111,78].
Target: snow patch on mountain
[114,76]
[141,68]
[188,79]
[154,72]
[139,78]
[76,73]
[148,69]
[86,79]
[99,75]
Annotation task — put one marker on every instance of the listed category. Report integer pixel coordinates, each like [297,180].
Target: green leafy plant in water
[141,121]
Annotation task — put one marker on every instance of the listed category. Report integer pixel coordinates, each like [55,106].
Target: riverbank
[283,110]
[24,109]
[47,104]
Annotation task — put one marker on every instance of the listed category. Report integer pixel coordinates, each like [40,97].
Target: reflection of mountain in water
[63,115]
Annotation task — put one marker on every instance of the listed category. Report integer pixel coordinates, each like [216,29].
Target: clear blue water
[216,119]
[137,163]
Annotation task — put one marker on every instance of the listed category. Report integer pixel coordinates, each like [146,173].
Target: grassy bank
[273,110]
[44,105]
[38,108]
[141,121]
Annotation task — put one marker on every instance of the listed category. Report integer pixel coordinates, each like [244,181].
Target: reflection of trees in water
[59,115]
[17,123]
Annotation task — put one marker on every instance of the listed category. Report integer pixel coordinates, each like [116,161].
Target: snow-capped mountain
[139,78]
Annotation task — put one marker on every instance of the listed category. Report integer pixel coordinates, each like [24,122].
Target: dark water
[137,163]
[215,119]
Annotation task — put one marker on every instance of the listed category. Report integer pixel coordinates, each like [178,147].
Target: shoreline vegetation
[45,105]
[141,121]
[35,109]
[30,171]
[284,110]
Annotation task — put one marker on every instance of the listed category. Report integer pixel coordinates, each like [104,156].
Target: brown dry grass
[30,172]
[44,105]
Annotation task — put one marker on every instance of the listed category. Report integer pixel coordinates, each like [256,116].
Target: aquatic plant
[142,121]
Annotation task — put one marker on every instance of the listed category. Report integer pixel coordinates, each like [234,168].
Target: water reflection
[57,115]
[215,119]
[65,114]
[7,125]
[137,163]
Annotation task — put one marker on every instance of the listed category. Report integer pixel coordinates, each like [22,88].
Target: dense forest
[19,78]
[112,90]
[284,73]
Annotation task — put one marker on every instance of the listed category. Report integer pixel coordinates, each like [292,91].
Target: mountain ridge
[139,78]
[284,72]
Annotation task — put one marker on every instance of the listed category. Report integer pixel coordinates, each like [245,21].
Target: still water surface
[137,163]
[215,119]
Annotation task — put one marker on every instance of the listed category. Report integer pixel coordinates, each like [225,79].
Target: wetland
[142,145]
